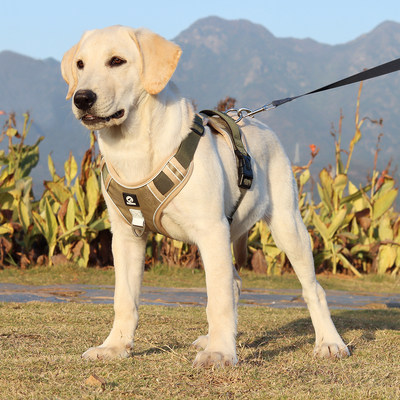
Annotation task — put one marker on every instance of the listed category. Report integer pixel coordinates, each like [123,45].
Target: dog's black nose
[84,99]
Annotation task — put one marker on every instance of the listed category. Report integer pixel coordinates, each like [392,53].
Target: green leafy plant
[71,212]
[357,229]
[17,231]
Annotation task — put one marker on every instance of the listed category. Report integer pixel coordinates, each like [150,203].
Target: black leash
[383,69]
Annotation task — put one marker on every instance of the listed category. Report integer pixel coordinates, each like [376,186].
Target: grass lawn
[182,277]
[41,345]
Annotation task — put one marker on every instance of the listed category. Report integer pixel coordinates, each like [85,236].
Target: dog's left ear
[68,72]
[159,59]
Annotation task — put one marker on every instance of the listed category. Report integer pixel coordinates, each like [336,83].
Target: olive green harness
[141,205]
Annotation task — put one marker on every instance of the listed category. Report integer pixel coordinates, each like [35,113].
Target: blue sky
[47,28]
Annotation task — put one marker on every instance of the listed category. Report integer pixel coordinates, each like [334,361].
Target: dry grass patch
[41,345]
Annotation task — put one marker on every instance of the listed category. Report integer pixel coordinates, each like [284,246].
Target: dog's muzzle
[84,101]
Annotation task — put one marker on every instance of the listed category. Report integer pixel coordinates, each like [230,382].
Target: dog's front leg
[129,253]
[214,246]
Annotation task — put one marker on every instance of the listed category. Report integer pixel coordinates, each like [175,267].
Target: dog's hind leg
[291,236]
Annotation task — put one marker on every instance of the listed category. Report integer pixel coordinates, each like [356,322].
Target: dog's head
[110,69]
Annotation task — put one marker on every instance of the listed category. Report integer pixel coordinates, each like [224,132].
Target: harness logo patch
[130,200]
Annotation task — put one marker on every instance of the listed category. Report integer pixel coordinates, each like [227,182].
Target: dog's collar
[141,205]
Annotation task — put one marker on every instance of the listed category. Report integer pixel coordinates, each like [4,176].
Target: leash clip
[246,112]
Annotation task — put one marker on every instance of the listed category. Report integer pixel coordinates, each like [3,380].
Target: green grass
[183,277]
[41,345]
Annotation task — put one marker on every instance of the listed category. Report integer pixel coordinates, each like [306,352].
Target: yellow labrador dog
[119,82]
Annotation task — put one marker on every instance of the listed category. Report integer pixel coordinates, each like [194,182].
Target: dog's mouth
[94,119]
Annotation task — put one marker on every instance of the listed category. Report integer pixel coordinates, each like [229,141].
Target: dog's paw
[107,353]
[208,359]
[201,342]
[331,350]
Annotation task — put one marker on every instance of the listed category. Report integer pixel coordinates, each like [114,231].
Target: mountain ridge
[246,61]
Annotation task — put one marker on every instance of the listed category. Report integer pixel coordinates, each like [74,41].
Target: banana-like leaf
[356,197]
[70,168]
[337,222]
[52,168]
[385,229]
[321,228]
[339,184]
[325,189]
[24,215]
[58,191]
[304,177]
[360,248]
[11,132]
[40,223]
[52,225]
[386,258]
[387,185]
[29,159]
[70,214]
[92,195]
[383,203]
[83,260]
[6,228]
[81,201]
[271,250]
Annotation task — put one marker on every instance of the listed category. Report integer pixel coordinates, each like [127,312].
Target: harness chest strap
[141,205]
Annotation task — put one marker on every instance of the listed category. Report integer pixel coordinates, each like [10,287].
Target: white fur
[156,120]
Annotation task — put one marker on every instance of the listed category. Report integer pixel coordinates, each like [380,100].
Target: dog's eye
[80,64]
[116,61]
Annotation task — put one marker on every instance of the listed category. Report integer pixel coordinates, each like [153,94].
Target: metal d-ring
[246,112]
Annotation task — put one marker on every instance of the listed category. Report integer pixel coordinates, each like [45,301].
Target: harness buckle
[245,173]
[138,224]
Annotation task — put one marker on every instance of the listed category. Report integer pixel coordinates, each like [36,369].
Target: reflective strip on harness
[141,205]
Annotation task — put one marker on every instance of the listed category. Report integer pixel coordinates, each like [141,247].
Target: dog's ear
[68,71]
[159,59]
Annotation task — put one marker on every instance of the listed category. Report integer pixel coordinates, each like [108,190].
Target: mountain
[245,61]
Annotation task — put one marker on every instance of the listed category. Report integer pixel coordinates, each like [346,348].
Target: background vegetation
[353,228]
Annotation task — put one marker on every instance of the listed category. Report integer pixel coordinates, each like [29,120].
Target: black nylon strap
[243,159]
[383,69]
[245,172]
[188,146]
